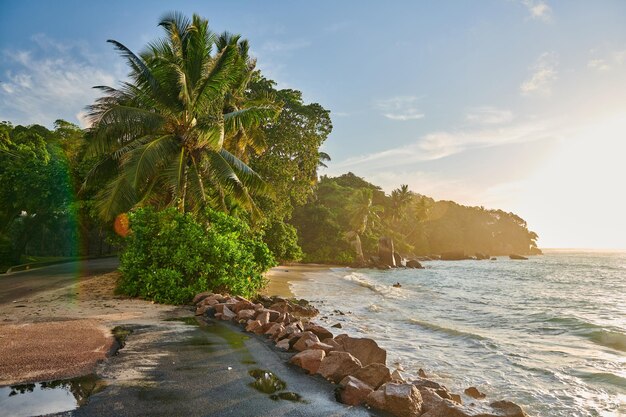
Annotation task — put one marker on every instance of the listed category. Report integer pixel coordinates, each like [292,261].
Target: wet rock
[353,391]
[323,346]
[319,331]
[306,340]
[430,398]
[401,400]
[333,343]
[454,256]
[337,325]
[337,365]
[474,393]
[518,257]
[413,263]
[374,375]
[309,360]
[447,408]
[422,373]
[423,382]
[396,376]
[509,409]
[456,398]
[364,349]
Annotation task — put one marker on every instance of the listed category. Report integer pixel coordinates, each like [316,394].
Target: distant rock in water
[518,257]
[412,263]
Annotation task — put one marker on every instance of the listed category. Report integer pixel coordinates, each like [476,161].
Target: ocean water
[548,333]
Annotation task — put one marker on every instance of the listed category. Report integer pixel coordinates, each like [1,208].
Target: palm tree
[400,198]
[362,215]
[161,136]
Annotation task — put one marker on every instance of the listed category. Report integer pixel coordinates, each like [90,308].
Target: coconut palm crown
[162,136]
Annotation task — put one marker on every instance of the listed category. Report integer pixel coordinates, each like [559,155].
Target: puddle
[268,383]
[48,397]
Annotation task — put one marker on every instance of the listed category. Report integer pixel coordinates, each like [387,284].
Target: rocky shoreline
[356,365]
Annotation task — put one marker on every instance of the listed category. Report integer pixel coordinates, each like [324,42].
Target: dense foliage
[348,215]
[170,256]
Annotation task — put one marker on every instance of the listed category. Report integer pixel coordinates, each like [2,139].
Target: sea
[548,333]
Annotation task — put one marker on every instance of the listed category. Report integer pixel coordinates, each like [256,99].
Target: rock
[337,326]
[401,400]
[456,398]
[283,344]
[202,309]
[421,373]
[227,314]
[319,345]
[253,326]
[373,375]
[274,329]
[306,340]
[337,365]
[263,317]
[474,393]
[430,399]
[423,382]
[398,259]
[201,296]
[494,259]
[210,301]
[242,305]
[219,308]
[509,409]
[364,349]
[289,329]
[245,314]
[518,257]
[412,263]
[309,360]
[353,391]
[447,408]
[273,315]
[396,376]
[319,331]
[385,251]
[333,343]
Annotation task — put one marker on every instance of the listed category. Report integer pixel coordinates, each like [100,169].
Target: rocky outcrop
[412,263]
[365,350]
[385,251]
[337,365]
[518,257]
[398,258]
[474,393]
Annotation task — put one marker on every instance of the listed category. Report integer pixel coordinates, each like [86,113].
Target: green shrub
[169,256]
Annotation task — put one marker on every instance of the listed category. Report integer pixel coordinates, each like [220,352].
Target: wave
[608,338]
[604,378]
[381,289]
[447,330]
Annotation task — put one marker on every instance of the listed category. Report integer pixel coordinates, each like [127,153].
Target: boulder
[396,376]
[447,408]
[319,331]
[200,310]
[474,393]
[412,263]
[430,398]
[401,400]
[227,314]
[374,375]
[245,314]
[353,391]
[309,360]
[398,259]
[423,382]
[337,365]
[518,257]
[274,329]
[337,326]
[289,329]
[319,345]
[219,308]
[306,340]
[201,296]
[333,343]
[283,344]
[385,251]
[253,326]
[364,349]
[242,305]
[263,317]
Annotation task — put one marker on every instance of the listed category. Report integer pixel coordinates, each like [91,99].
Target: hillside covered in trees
[347,209]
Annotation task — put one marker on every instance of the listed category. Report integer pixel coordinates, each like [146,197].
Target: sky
[511,104]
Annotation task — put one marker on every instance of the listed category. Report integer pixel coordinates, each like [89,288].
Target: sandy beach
[280,277]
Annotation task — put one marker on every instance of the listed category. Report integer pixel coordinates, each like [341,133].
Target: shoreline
[280,277]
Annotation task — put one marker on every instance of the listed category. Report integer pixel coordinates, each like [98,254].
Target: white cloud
[609,62]
[400,108]
[544,72]
[488,116]
[538,9]
[49,83]
[599,64]
[437,145]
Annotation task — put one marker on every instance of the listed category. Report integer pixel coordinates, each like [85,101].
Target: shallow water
[548,333]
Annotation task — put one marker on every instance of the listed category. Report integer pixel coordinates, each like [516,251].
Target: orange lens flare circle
[122,225]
